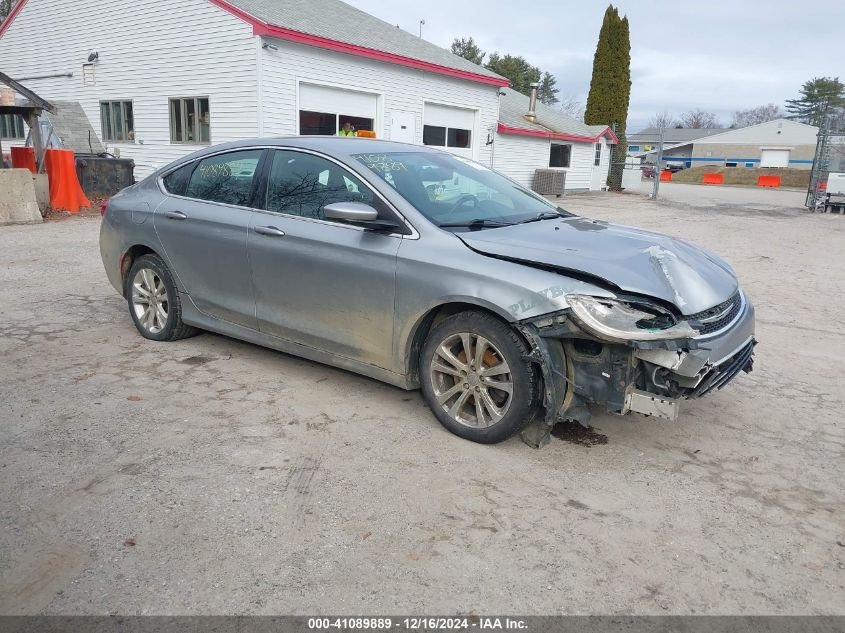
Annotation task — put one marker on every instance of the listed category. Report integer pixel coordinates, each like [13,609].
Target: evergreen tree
[468,49]
[520,73]
[547,92]
[817,96]
[610,87]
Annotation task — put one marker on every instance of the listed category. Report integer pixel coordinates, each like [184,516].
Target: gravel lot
[212,476]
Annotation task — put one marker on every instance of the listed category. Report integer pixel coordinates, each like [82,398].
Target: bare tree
[755,116]
[698,119]
[662,120]
[571,106]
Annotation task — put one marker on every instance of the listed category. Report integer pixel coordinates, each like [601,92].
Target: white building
[160,79]
[776,143]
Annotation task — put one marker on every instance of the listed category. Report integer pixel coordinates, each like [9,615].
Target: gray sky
[720,55]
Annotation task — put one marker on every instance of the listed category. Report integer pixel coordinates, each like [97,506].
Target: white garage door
[449,127]
[774,158]
[324,109]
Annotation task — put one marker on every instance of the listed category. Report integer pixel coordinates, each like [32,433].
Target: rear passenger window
[225,178]
[176,182]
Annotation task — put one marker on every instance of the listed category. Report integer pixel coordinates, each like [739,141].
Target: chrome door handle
[271,231]
[175,215]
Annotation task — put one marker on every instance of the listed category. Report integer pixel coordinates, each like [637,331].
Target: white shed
[553,140]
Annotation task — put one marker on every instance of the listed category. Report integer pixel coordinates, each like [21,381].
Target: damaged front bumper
[647,377]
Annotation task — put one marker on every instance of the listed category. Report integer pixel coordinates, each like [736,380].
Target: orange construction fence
[713,179]
[65,190]
[665,175]
[24,158]
[768,181]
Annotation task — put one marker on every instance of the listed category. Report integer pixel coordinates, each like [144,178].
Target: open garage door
[449,127]
[774,158]
[324,109]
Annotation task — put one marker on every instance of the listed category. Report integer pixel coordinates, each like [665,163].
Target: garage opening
[323,110]
[449,127]
[774,157]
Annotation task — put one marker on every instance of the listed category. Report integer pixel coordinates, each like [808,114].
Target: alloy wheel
[471,380]
[149,300]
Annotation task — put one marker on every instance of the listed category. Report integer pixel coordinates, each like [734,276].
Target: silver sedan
[426,270]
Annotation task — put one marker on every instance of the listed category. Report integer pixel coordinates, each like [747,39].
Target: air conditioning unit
[549,182]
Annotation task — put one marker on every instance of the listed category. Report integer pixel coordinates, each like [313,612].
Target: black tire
[173,328]
[524,402]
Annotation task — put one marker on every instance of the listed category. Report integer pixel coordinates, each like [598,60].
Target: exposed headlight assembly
[614,320]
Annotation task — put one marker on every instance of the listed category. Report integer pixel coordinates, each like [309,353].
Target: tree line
[818,97]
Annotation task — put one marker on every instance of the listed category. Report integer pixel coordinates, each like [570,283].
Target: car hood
[630,259]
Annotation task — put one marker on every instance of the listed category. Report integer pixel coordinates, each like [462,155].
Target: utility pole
[659,160]
[422,24]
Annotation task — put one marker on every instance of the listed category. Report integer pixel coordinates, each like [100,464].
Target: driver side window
[302,184]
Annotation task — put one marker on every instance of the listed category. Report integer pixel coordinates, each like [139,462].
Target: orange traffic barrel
[65,190]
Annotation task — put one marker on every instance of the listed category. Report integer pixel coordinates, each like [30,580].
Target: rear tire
[153,300]
[476,377]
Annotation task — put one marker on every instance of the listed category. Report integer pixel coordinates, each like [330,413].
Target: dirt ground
[213,476]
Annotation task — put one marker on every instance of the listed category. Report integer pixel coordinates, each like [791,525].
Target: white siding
[149,51]
[398,89]
[519,156]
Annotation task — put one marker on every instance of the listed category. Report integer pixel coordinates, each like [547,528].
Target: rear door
[203,228]
[322,283]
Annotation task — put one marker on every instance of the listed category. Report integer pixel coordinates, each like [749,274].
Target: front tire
[477,379]
[154,301]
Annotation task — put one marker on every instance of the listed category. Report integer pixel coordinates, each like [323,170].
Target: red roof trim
[507,129]
[262,28]
[11,17]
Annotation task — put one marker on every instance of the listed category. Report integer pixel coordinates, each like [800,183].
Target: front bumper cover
[645,377]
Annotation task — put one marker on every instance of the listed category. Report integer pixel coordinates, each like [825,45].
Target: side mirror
[350,211]
[359,214]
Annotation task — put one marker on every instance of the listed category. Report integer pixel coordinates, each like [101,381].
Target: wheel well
[129,258]
[428,321]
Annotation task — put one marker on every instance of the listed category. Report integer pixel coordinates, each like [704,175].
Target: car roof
[332,145]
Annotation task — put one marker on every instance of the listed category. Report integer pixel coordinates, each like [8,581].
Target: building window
[597,160]
[190,120]
[11,126]
[730,164]
[559,155]
[117,121]
[446,137]
[330,123]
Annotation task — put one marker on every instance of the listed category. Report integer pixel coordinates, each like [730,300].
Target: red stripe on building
[260,27]
[558,136]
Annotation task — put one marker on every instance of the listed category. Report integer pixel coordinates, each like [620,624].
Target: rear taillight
[103,207]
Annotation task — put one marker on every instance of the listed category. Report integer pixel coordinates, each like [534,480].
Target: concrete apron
[18,202]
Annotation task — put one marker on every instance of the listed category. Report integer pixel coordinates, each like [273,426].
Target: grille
[715,318]
[719,376]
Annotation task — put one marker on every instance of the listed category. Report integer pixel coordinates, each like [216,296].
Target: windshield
[458,193]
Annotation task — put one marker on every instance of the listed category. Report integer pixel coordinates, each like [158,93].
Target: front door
[203,228]
[321,283]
